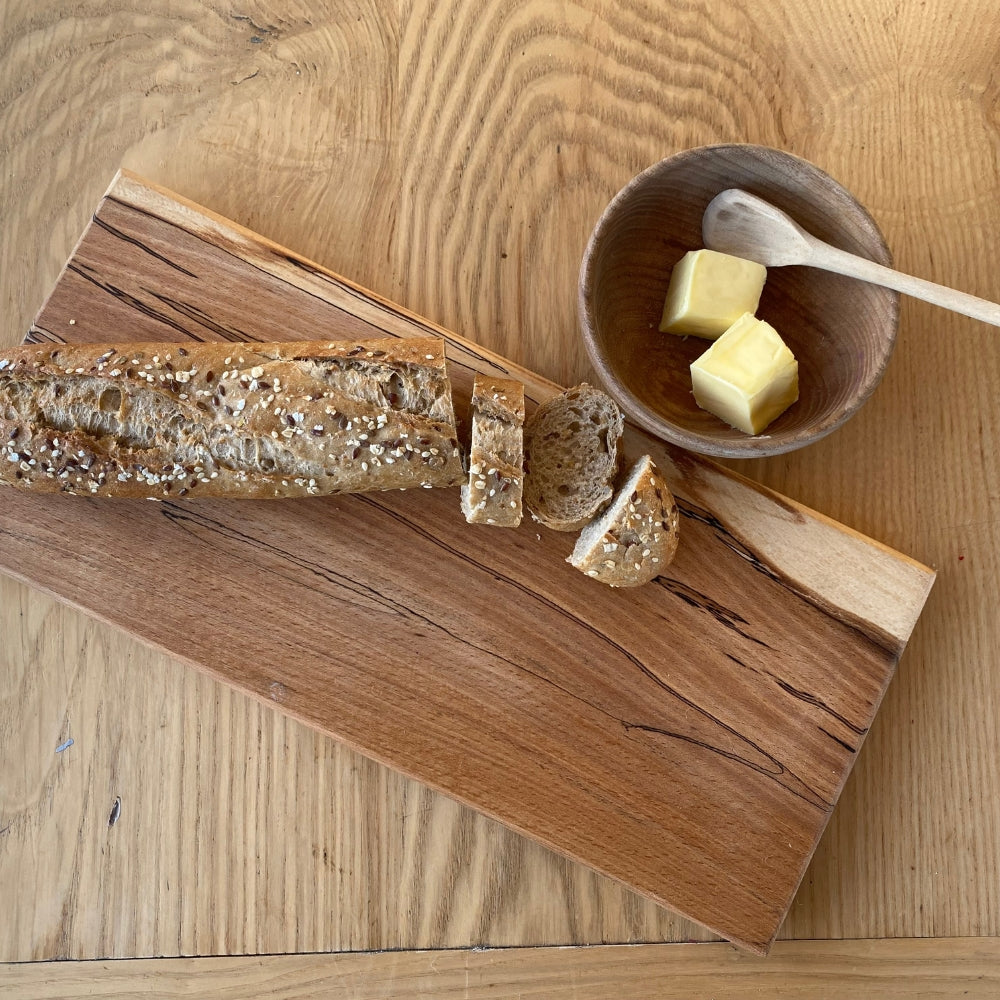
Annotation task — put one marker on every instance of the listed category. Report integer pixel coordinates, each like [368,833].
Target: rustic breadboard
[689,738]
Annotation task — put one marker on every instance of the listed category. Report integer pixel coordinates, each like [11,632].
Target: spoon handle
[832,259]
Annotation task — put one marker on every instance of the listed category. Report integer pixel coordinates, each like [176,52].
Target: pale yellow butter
[709,291]
[747,377]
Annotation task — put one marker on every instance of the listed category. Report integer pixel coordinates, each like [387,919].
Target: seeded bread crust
[496,456]
[242,420]
[571,457]
[635,539]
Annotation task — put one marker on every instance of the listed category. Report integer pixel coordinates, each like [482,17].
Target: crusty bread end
[635,539]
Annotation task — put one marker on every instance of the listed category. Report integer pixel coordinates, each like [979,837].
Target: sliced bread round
[571,457]
[635,539]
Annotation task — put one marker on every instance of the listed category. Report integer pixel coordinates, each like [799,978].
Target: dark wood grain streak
[688,738]
[883,637]
[107,227]
[775,770]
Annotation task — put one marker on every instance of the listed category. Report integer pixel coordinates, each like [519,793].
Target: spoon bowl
[743,225]
[841,331]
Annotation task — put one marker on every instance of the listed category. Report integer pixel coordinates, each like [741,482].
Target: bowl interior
[841,330]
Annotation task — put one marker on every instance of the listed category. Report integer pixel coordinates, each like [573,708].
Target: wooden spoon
[744,225]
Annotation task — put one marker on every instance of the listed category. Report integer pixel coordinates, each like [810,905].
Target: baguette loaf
[635,539]
[228,420]
[571,457]
[496,455]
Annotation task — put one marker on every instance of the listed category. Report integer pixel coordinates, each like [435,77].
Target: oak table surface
[454,157]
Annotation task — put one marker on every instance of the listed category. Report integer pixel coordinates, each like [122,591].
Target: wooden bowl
[841,330]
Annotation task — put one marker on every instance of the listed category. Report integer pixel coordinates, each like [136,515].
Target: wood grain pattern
[371,860]
[335,129]
[689,722]
[843,970]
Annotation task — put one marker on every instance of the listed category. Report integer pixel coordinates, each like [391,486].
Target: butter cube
[747,377]
[709,291]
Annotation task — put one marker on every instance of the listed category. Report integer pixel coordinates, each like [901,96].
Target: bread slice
[635,539]
[496,455]
[571,457]
[228,419]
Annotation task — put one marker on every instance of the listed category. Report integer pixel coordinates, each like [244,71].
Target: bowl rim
[756,446]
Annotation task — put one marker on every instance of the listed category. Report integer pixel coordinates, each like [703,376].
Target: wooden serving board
[689,738]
